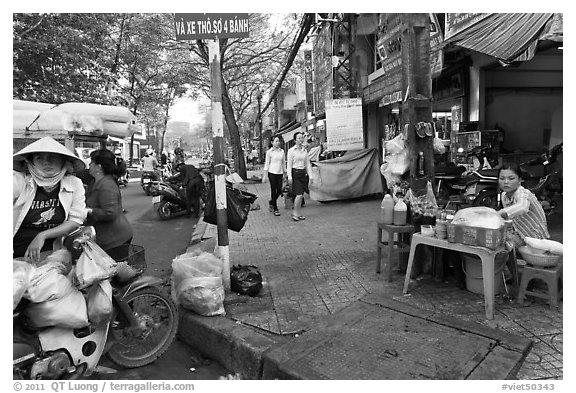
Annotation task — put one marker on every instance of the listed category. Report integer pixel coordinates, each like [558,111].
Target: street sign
[210,26]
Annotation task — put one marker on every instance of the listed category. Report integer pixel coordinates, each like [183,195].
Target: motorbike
[169,199]
[475,188]
[146,182]
[123,180]
[142,326]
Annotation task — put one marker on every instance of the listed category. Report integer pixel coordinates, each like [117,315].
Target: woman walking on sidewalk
[274,169]
[299,170]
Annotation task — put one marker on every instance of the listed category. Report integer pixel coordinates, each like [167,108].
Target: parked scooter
[146,182]
[169,199]
[143,324]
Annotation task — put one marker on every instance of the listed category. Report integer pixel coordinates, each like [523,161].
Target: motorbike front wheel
[158,323]
[487,198]
[164,210]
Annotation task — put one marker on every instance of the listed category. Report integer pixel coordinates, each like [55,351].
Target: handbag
[237,207]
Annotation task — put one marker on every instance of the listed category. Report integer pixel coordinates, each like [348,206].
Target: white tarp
[73,116]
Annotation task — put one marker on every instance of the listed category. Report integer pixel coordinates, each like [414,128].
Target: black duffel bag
[237,207]
[245,280]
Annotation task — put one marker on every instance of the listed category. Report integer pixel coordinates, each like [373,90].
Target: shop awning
[508,37]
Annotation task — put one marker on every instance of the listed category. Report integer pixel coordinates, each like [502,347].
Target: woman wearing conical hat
[48,201]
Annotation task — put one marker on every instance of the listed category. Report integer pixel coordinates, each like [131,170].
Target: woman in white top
[275,168]
[299,170]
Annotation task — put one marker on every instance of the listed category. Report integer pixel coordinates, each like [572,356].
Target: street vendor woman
[48,202]
[521,207]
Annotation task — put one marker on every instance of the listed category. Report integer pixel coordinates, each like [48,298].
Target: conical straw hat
[46,145]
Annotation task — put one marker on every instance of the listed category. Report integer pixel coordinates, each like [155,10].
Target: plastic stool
[402,245]
[550,275]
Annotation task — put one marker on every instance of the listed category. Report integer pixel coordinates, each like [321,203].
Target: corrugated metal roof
[508,37]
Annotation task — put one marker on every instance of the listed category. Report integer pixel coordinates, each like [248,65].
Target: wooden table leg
[409,267]
[388,265]
[488,278]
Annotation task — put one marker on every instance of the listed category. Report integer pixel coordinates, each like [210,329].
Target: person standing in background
[299,170]
[104,202]
[274,170]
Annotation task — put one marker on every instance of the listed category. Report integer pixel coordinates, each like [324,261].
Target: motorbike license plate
[146,180]
[156,199]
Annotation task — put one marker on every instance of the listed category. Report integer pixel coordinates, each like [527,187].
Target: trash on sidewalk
[197,283]
[246,280]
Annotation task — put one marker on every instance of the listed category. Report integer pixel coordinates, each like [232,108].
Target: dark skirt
[299,182]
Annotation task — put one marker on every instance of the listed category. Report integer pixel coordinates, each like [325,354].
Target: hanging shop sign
[436,52]
[211,26]
[344,129]
[323,80]
[390,98]
[389,44]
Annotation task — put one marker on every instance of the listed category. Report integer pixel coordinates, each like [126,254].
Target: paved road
[163,240]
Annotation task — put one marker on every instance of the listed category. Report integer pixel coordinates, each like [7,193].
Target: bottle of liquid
[421,163]
[400,213]
[387,210]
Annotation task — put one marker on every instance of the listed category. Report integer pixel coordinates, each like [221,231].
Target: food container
[476,236]
[538,259]
[427,230]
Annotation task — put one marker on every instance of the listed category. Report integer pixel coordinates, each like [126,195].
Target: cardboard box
[476,236]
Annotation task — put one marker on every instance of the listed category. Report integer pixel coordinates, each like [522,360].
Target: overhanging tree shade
[508,37]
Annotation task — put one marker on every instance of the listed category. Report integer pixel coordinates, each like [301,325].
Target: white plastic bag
[551,246]
[68,311]
[48,282]
[395,145]
[99,302]
[93,265]
[439,147]
[399,163]
[197,283]
[203,295]
[22,272]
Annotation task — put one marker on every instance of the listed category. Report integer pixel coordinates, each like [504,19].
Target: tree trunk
[239,163]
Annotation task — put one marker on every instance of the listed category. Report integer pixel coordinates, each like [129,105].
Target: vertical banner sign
[214,27]
[308,81]
[344,129]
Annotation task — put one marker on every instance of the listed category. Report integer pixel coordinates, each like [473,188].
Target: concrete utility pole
[219,171]
[417,91]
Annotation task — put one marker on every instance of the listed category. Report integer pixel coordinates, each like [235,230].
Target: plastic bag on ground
[22,272]
[245,280]
[203,295]
[68,311]
[197,283]
[99,302]
[196,264]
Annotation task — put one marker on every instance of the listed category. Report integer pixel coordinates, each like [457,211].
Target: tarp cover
[355,174]
[508,37]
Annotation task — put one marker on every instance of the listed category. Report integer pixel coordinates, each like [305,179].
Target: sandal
[301,217]
[295,218]
[276,213]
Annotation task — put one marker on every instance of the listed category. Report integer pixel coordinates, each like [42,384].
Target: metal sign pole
[219,167]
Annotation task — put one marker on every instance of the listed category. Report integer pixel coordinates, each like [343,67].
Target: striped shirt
[275,162]
[526,213]
[298,159]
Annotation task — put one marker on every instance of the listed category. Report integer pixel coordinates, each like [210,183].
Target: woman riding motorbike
[47,202]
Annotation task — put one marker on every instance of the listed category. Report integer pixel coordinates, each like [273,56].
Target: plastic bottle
[421,163]
[400,213]
[387,210]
